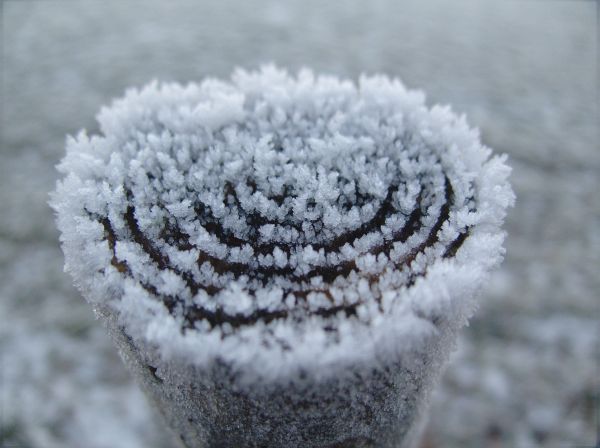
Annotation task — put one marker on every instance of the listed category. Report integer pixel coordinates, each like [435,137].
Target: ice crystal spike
[283,260]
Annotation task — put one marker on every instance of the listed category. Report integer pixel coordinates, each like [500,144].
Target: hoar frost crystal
[283,261]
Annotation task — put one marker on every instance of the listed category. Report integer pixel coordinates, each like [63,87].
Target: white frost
[248,188]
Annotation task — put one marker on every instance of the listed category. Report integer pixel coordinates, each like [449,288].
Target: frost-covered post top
[278,221]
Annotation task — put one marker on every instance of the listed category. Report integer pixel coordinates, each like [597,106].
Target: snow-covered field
[526,371]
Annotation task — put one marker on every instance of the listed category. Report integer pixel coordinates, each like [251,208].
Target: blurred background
[525,72]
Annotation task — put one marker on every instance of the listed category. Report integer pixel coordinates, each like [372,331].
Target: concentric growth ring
[294,281]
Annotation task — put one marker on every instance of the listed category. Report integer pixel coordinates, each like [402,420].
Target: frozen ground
[526,371]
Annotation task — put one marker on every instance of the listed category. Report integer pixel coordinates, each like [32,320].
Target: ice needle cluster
[274,221]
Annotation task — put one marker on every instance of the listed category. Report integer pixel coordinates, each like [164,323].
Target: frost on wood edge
[278,221]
